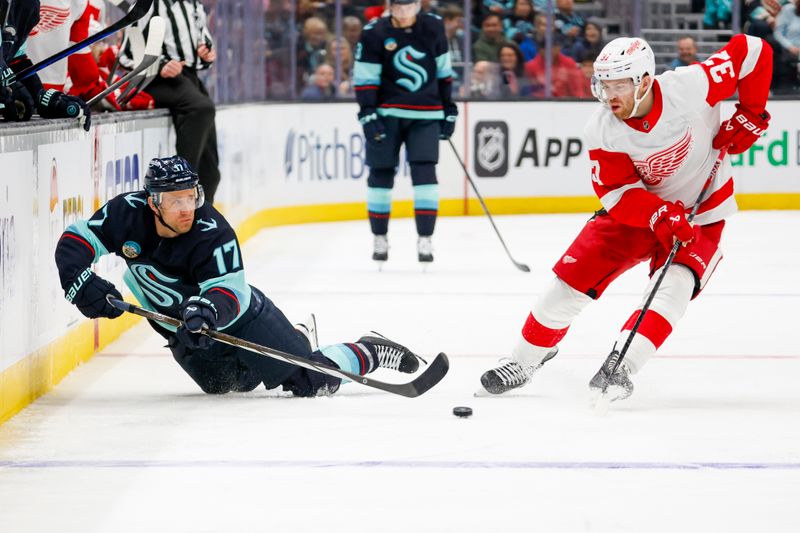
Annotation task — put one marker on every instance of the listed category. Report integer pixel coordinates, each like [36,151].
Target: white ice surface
[710,440]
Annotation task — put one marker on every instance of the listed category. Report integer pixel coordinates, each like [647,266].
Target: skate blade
[483,393]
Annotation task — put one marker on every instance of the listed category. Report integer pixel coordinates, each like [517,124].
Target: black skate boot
[612,386]
[392,355]
[309,330]
[424,250]
[511,374]
[380,249]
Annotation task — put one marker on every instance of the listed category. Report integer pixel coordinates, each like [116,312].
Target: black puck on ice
[462,412]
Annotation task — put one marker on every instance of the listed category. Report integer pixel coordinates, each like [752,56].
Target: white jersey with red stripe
[667,154]
[56,30]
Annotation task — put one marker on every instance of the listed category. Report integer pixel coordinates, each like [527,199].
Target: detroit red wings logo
[663,164]
[50,18]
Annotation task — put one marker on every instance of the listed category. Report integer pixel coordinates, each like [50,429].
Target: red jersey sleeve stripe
[229,294]
[80,240]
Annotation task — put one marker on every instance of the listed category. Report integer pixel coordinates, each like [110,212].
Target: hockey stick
[522,266]
[670,258]
[432,375]
[139,10]
[152,53]
[140,84]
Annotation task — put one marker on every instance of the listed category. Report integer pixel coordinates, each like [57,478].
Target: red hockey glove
[669,223]
[88,92]
[140,101]
[741,130]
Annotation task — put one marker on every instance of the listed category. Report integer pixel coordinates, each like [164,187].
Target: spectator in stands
[566,76]
[519,27]
[586,64]
[488,44]
[587,45]
[567,21]
[687,53]
[502,8]
[277,56]
[320,85]
[341,48]
[311,48]
[514,83]
[484,81]
[453,17]
[760,17]
[787,35]
[717,14]
[351,30]
[429,6]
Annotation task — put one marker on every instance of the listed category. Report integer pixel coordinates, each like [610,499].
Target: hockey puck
[462,412]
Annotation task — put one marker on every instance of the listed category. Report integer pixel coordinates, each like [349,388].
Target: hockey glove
[55,104]
[16,103]
[742,130]
[448,125]
[669,223]
[198,314]
[373,125]
[88,292]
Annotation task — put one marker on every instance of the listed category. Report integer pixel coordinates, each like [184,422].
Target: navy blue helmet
[168,174]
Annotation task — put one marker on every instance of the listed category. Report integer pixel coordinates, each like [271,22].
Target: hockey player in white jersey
[652,145]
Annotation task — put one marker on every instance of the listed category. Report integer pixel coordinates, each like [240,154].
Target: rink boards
[285,164]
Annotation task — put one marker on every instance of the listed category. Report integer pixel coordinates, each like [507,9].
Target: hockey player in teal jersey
[183,260]
[403,82]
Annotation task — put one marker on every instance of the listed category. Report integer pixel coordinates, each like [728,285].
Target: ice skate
[510,375]
[309,330]
[425,250]
[392,355]
[380,250]
[607,387]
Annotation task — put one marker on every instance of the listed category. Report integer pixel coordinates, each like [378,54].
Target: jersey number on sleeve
[718,69]
[219,255]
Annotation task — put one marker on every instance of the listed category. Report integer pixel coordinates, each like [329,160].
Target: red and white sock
[548,322]
[667,308]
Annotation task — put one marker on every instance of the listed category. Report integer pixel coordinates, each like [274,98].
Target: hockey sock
[548,322]
[668,306]
[426,197]
[379,206]
[356,358]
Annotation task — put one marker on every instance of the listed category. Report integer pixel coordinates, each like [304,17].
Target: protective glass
[606,90]
[174,201]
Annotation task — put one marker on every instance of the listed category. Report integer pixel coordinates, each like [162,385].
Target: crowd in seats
[504,44]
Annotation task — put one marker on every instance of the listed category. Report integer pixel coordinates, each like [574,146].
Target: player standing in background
[652,146]
[403,82]
[183,260]
[18,100]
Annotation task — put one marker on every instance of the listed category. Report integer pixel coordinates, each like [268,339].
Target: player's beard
[620,107]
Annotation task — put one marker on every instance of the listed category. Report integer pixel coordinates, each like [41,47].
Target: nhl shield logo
[131,249]
[491,149]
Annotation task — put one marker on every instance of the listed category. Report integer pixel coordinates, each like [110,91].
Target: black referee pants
[193,115]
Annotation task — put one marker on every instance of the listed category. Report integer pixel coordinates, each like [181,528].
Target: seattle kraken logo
[148,279]
[404,63]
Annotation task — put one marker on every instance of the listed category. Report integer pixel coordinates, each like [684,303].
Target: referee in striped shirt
[188,48]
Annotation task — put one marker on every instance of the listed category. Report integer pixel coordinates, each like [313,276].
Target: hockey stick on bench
[522,266]
[152,53]
[602,402]
[139,10]
[432,375]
